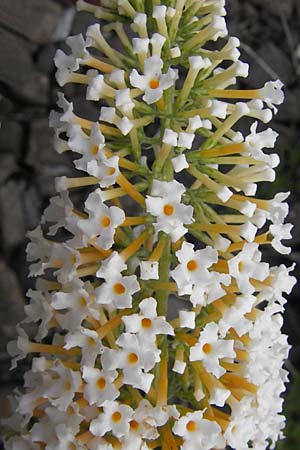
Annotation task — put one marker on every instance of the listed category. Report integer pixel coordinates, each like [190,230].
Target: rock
[44,61]
[11,305]
[269,62]
[289,110]
[33,19]
[277,7]
[7,167]
[11,137]
[19,73]
[45,161]
[12,218]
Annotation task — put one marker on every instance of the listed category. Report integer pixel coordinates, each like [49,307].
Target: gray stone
[33,19]
[42,155]
[277,7]
[11,305]
[19,73]
[269,62]
[11,137]
[12,218]
[7,167]
[45,161]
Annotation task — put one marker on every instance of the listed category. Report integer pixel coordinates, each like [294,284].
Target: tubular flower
[117,364]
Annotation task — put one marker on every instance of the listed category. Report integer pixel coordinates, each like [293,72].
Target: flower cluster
[116,364]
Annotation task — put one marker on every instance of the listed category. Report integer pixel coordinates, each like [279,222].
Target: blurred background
[30,33]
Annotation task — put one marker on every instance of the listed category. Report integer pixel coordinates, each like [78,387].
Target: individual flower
[210,349]
[115,418]
[247,264]
[99,385]
[102,221]
[198,432]
[165,204]
[147,324]
[153,82]
[134,360]
[117,290]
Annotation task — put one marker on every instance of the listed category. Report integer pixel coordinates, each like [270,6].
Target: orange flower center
[132,358]
[94,150]
[111,171]
[119,288]
[116,416]
[101,383]
[134,425]
[153,84]
[83,302]
[68,386]
[168,210]
[91,341]
[192,265]
[73,259]
[105,221]
[191,426]
[207,348]
[146,323]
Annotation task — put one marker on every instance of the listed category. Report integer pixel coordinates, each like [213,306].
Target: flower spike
[158,325]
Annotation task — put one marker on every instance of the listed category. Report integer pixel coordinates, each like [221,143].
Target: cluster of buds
[162,329]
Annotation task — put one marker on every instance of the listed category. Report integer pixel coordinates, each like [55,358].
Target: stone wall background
[30,33]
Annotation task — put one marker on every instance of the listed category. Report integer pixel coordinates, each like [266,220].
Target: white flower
[192,276]
[185,140]
[279,232]
[139,24]
[149,270]
[98,88]
[164,203]
[18,349]
[91,147]
[255,142]
[108,114]
[115,418]
[60,212]
[63,386]
[218,396]
[39,309]
[179,163]
[157,42]
[272,94]
[210,349]
[147,324]
[76,305]
[245,265]
[134,359]
[187,319]
[58,428]
[234,317]
[153,82]
[140,45]
[124,102]
[67,64]
[68,259]
[193,265]
[198,433]
[88,341]
[117,77]
[38,249]
[117,290]
[102,221]
[99,385]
